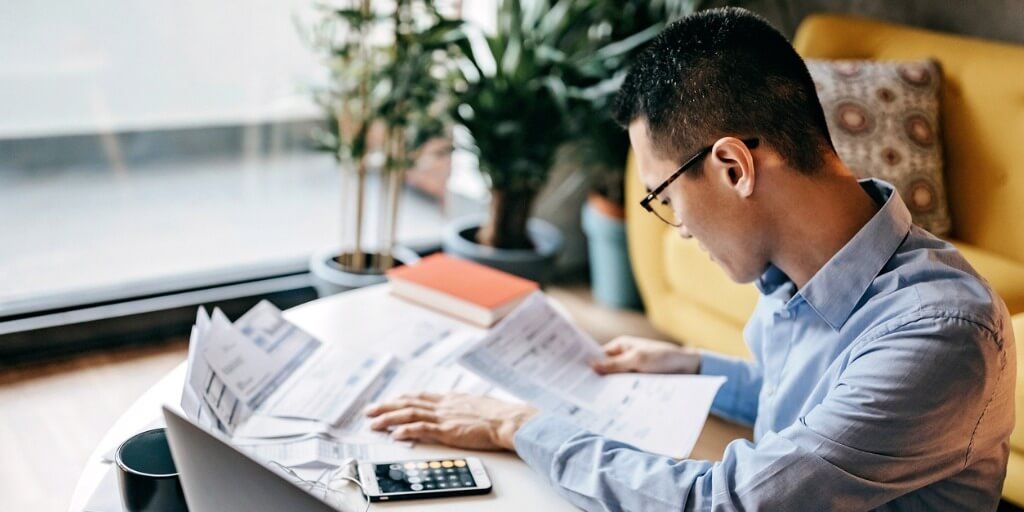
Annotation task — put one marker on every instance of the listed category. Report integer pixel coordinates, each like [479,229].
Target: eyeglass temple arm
[751,143]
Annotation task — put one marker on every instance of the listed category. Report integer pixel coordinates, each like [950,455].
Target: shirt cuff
[539,439]
[715,364]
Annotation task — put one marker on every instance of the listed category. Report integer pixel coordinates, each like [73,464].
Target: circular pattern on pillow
[922,196]
[919,130]
[891,156]
[847,68]
[915,74]
[853,117]
[885,94]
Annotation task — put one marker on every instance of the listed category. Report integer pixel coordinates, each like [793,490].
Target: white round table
[343,319]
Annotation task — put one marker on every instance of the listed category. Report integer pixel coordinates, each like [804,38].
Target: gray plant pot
[536,264]
[330,278]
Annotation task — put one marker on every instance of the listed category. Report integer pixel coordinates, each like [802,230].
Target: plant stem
[358,258]
[396,176]
[506,226]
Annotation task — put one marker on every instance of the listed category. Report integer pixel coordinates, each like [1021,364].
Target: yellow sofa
[689,298]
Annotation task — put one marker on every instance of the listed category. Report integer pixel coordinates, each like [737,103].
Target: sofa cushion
[692,275]
[884,122]
[1005,276]
[1017,437]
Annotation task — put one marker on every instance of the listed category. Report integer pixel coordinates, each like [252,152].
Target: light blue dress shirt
[887,382]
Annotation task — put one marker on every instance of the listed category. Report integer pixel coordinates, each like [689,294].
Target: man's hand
[631,354]
[456,419]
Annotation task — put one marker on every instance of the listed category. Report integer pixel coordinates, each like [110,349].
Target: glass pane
[664,211]
[157,145]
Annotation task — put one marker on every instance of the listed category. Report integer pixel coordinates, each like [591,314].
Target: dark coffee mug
[146,474]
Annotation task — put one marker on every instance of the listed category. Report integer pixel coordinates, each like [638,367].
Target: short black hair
[725,72]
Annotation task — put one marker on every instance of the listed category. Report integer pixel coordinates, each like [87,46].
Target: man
[884,367]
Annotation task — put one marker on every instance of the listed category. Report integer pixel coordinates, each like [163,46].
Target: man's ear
[730,161]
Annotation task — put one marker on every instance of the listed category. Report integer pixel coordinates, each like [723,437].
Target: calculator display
[420,476]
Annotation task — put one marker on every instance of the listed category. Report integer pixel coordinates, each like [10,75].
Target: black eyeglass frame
[652,195]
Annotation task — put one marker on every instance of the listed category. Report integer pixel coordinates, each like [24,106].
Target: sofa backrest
[982,117]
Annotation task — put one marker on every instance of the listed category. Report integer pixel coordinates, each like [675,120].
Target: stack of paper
[234,369]
[282,393]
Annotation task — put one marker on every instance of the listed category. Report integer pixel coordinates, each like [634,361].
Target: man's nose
[683,232]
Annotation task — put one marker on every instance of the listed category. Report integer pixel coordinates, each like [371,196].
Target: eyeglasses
[663,213]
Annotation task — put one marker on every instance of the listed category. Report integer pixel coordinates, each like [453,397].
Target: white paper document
[262,378]
[205,399]
[330,385]
[318,450]
[539,356]
[258,353]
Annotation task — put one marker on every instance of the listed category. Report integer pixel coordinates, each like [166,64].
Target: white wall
[82,66]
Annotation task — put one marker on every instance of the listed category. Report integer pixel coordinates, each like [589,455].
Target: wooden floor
[52,415]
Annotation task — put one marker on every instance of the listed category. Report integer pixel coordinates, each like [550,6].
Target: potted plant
[620,28]
[385,96]
[512,100]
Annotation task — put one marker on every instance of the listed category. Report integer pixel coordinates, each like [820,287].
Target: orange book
[470,291]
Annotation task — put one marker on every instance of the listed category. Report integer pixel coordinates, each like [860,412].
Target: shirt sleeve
[737,399]
[901,417]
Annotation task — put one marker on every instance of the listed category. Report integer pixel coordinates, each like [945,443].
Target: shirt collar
[836,288]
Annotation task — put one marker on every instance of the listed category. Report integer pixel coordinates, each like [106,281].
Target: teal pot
[535,264]
[330,277]
[611,275]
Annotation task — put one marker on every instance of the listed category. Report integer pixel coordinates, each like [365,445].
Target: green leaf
[627,45]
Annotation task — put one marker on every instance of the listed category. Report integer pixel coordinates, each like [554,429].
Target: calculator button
[396,466]
[414,480]
[396,474]
[442,485]
[447,464]
[416,487]
[422,465]
[429,486]
[408,465]
[459,463]
[435,464]
[453,477]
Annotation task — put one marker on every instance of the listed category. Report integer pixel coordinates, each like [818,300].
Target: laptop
[216,477]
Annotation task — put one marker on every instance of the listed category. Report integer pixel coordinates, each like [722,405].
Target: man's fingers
[418,431]
[400,403]
[616,364]
[402,417]
[425,396]
[614,347]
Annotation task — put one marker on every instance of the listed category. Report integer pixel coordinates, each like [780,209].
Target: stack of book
[466,290]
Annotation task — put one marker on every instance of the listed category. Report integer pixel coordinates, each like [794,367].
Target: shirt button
[785,314]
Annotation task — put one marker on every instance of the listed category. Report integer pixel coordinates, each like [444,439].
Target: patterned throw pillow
[884,121]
